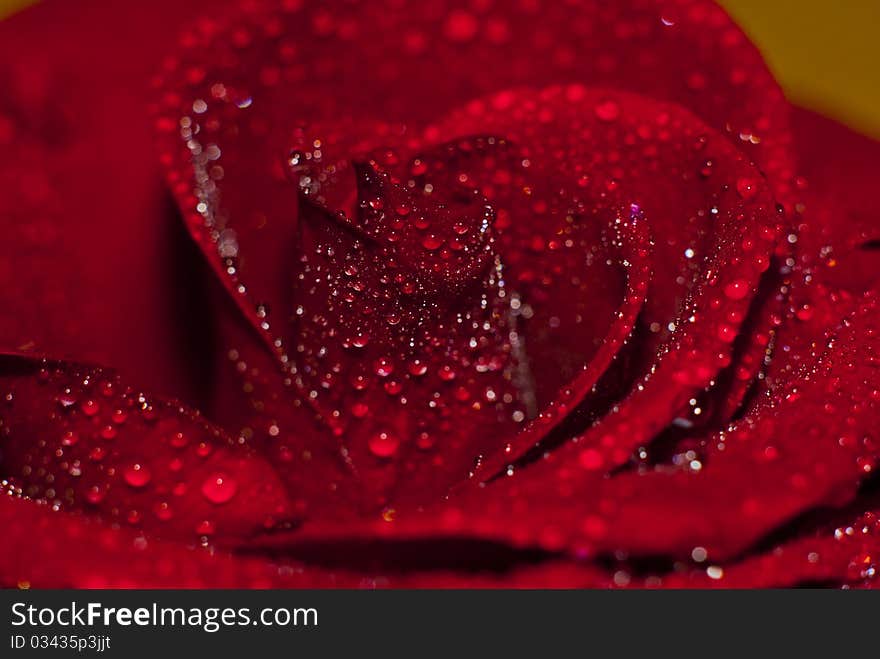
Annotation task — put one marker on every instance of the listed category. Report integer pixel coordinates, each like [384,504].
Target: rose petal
[706,269]
[794,463]
[47,549]
[95,265]
[79,439]
[833,240]
[858,274]
[71,551]
[846,555]
[841,214]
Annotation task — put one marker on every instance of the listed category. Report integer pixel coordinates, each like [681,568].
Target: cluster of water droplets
[403,317]
[105,447]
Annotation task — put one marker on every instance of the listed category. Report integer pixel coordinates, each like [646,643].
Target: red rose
[558,294]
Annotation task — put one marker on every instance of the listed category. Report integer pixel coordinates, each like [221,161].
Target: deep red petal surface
[594,263]
[95,266]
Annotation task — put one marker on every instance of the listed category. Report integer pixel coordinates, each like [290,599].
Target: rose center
[401,306]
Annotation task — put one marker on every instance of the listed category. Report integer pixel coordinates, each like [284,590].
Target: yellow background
[825,54]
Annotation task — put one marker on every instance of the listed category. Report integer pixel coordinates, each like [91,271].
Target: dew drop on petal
[432,242]
[137,475]
[383,444]
[163,511]
[95,494]
[805,313]
[66,399]
[205,527]
[393,387]
[726,333]
[219,488]
[737,289]
[384,367]
[746,188]
[90,407]
[446,373]
[607,110]
[417,367]
[360,341]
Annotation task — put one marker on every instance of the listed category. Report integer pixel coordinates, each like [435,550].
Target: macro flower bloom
[435,293]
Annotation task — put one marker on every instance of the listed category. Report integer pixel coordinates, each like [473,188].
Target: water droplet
[205,527]
[66,399]
[383,444]
[219,488]
[607,110]
[163,511]
[149,413]
[90,407]
[715,572]
[95,494]
[137,475]
[359,381]
[726,333]
[446,373]
[384,367]
[746,188]
[360,341]
[737,289]
[425,441]
[417,368]
[432,242]
[805,313]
